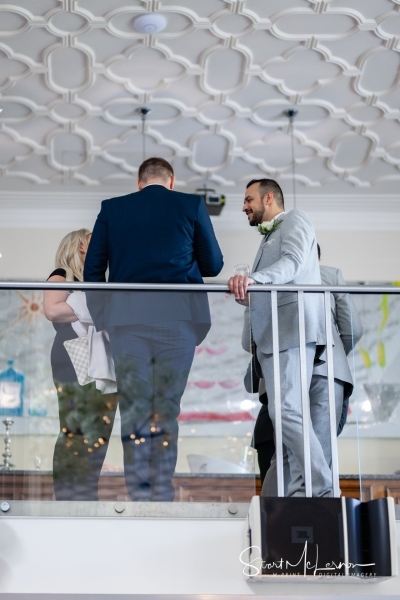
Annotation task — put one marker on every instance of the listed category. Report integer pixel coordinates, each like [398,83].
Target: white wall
[28,253]
[137,556]
[359,235]
[362,256]
[378,456]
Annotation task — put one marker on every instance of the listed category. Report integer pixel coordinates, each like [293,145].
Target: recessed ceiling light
[150,23]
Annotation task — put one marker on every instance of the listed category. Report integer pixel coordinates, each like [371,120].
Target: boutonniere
[268,227]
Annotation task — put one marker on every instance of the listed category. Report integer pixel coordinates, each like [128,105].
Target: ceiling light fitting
[143,112]
[290,113]
[150,23]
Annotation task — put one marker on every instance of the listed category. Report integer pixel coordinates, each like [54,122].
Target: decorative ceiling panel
[217,80]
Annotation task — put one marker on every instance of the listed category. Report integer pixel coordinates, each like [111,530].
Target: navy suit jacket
[152,236]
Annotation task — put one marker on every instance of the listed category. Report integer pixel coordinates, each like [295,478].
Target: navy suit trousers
[152,364]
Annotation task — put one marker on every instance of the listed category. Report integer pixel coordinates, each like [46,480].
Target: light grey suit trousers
[292,424]
[319,410]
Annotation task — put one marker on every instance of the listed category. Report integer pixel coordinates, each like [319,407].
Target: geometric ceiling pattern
[74,72]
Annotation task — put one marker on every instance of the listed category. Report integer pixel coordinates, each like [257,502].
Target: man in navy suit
[155,235]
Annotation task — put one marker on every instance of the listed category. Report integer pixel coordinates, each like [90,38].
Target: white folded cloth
[100,364]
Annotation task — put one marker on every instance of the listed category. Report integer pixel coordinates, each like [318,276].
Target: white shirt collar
[147,185]
[278,215]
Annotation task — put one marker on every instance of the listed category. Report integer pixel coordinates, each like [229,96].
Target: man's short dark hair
[155,168]
[269,185]
[319,251]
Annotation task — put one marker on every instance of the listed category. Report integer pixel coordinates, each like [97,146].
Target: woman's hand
[54,303]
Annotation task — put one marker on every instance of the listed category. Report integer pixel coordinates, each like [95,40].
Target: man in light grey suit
[288,254]
[347,331]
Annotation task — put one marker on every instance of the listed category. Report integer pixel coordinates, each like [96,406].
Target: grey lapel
[260,251]
[258,256]
[262,244]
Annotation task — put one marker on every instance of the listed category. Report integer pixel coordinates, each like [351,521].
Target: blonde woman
[70,258]
[86,415]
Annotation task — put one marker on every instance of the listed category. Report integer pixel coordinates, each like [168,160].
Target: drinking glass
[242,269]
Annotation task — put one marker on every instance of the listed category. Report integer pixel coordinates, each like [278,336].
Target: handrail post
[277,399]
[305,398]
[331,396]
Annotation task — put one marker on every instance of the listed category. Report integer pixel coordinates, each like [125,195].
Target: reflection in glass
[86,418]
[71,443]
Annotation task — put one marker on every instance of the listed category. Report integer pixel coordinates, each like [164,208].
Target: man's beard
[257,216]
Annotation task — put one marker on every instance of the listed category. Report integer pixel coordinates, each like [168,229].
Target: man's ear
[268,198]
[139,185]
[172,182]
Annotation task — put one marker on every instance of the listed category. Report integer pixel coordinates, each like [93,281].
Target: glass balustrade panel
[147,404]
[369,446]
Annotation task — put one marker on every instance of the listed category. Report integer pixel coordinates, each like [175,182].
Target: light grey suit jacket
[346,327]
[288,255]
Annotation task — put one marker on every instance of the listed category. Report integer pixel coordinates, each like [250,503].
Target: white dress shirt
[278,215]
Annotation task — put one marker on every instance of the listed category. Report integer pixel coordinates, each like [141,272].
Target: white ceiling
[217,79]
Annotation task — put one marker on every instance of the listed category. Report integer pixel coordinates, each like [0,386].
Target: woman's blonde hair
[69,256]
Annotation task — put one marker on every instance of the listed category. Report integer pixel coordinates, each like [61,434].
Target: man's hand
[238,285]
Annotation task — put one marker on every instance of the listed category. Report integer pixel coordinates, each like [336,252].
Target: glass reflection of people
[155,235]
[86,416]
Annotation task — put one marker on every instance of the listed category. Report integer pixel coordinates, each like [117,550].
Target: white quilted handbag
[78,351]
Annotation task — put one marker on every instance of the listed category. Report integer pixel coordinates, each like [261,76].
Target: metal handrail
[195,287]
